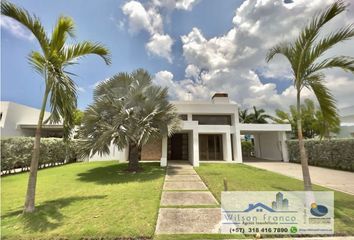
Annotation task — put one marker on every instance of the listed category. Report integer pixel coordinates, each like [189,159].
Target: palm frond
[325,99]
[32,23]
[38,62]
[329,41]
[64,26]
[344,62]
[79,50]
[282,48]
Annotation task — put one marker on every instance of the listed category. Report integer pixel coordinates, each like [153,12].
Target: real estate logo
[277,212]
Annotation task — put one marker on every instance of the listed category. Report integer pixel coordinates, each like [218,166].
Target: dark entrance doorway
[210,147]
[178,147]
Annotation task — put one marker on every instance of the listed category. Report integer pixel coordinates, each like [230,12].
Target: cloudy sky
[193,47]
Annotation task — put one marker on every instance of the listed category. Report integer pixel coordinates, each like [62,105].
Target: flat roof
[46,126]
[267,127]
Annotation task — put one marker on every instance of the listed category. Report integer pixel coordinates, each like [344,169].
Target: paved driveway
[335,179]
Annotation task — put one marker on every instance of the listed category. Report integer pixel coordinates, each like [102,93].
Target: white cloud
[184,89]
[141,18]
[229,63]
[176,4]
[149,18]
[160,45]
[15,28]
[192,71]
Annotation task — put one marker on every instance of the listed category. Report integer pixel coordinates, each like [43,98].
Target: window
[212,119]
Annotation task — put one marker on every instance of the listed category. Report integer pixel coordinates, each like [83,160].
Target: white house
[210,131]
[20,120]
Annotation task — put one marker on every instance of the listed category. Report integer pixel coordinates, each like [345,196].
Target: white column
[163,161]
[226,142]
[284,147]
[237,149]
[195,160]
[189,117]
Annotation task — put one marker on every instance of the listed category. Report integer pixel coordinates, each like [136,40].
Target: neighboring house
[20,120]
[210,131]
[346,122]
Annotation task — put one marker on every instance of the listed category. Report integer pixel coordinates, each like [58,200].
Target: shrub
[247,148]
[336,153]
[16,152]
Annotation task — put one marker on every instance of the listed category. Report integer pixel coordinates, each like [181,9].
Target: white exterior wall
[115,154]
[269,140]
[13,115]
[268,146]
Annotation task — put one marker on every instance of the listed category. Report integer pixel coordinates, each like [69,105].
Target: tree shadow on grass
[115,174]
[47,215]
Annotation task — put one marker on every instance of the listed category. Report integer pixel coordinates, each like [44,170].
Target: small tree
[305,56]
[128,111]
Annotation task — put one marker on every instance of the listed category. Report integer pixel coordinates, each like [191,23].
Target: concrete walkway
[187,206]
[335,179]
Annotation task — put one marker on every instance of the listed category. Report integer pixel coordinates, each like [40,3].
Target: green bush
[247,148]
[335,153]
[16,152]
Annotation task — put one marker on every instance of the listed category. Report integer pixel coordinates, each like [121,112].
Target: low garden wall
[335,153]
[16,153]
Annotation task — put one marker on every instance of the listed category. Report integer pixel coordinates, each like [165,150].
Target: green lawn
[84,200]
[245,178]
[102,200]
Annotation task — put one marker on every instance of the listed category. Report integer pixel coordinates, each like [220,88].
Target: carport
[269,140]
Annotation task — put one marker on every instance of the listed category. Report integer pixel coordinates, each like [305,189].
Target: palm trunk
[32,180]
[134,155]
[303,155]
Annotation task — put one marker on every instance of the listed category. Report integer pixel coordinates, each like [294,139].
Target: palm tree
[51,64]
[128,110]
[312,121]
[259,116]
[243,116]
[305,55]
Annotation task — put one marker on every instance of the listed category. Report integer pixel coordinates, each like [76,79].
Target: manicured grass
[245,178]
[84,200]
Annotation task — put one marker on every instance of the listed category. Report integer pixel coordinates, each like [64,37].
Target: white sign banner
[285,212]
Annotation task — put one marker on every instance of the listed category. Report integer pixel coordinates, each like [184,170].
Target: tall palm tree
[259,116]
[305,55]
[128,110]
[51,64]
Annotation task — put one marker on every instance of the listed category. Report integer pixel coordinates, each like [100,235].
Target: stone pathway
[181,211]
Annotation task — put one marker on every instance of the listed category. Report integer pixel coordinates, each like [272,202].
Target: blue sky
[214,47]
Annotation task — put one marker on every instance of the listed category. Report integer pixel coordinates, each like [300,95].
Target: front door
[178,147]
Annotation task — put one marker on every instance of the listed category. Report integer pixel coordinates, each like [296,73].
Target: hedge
[16,152]
[247,148]
[335,153]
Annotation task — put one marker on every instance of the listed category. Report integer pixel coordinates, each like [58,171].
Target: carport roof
[268,127]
